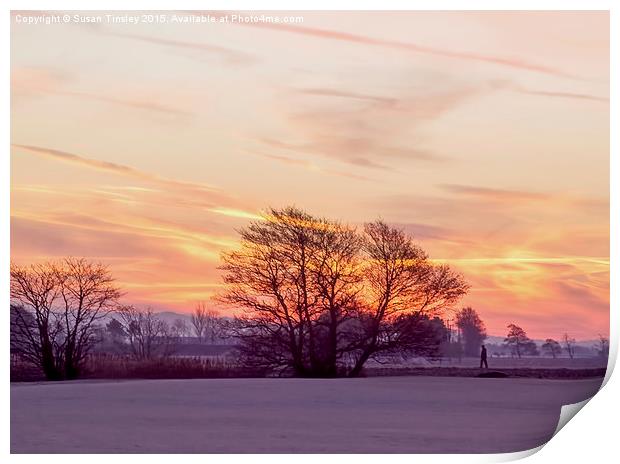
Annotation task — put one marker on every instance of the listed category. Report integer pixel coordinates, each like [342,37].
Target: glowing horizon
[483,134]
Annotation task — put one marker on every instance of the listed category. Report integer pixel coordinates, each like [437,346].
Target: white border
[591,437]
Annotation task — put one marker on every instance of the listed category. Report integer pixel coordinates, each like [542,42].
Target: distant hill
[170,316]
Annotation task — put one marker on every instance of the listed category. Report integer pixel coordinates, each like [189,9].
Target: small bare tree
[149,337]
[199,320]
[603,346]
[179,329]
[552,347]
[569,344]
[213,327]
[55,309]
[472,330]
[206,322]
[36,325]
[518,342]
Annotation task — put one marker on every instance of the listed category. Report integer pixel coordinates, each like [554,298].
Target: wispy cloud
[494,193]
[325,92]
[570,95]
[425,231]
[130,103]
[511,62]
[284,159]
[308,165]
[206,192]
[515,87]
[102,165]
[341,149]
[367,130]
[36,81]
[236,213]
[140,226]
[229,56]
[552,200]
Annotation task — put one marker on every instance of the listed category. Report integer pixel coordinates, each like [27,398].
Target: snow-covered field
[380,414]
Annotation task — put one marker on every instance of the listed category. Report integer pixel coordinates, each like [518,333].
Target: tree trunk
[48,363]
[331,368]
[359,365]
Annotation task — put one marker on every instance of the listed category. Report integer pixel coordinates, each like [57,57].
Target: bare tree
[23,324]
[179,329]
[569,345]
[552,347]
[318,294]
[115,330]
[603,346]
[416,334]
[149,336]
[452,346]
[336,281]
[199,320]
[213,326]
[518,341]
[399,278]
[207,323]
[270,278]
[64,301]
[472,330]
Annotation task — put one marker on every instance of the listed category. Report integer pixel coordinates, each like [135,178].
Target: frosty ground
[381,414]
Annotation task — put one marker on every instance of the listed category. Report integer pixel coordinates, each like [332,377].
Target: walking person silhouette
[483,358]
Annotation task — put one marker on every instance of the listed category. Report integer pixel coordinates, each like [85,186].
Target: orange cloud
[204,191]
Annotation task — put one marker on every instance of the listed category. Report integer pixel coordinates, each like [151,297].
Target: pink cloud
[327,34]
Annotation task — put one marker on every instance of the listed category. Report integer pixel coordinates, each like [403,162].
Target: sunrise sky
[485,135]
